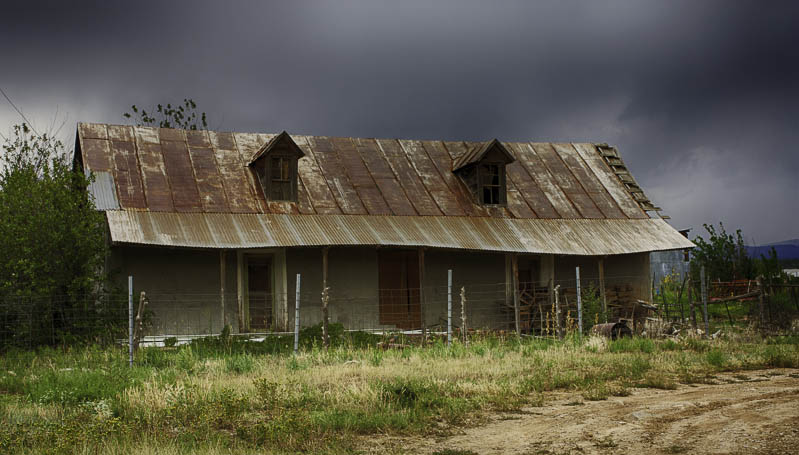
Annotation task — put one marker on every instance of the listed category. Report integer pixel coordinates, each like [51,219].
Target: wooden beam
[325,316]
[422,305]
[222,254]
[602,288]
[240,291]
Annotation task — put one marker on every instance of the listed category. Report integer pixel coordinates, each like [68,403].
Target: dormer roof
[480,150]
[282,139]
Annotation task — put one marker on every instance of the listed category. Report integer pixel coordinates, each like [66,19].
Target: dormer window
[276,167]
[482,169]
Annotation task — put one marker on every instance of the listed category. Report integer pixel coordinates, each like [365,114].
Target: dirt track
[754,412]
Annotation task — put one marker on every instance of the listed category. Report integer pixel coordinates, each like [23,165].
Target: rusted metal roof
[544,236]
[167,170]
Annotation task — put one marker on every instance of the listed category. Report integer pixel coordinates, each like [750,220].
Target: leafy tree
[183,116]
[723,255]
[51,238]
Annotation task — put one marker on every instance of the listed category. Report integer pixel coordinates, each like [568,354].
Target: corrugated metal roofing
[103,191]
[543,236]
[166,170]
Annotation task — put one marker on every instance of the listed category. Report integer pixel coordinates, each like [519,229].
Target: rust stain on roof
[167,170]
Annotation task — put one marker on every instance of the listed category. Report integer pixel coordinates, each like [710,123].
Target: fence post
[449,307]
[130,320]
[297,315]
[464,330]
[579,302]
[602,289]
[557,312]
[704,300]
[760,299]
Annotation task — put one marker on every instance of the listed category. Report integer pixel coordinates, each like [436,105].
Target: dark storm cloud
[700,97]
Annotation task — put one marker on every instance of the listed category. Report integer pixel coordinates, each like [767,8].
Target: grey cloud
[667,82]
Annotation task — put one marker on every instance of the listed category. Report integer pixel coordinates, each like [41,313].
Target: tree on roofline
[182,116]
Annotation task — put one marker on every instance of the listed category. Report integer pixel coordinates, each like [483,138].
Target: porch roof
[543,236]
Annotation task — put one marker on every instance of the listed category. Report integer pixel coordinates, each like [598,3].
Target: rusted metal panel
[120,133]
[428,174]
[314,182]
[92,130]
[567,182]
[544,236]
[384,177]
[548,184]
[198,139]
[588,180]
[209,182]
[601,170]
[345,194]
[146,135]
[156,185]
[523,180]
[440,156]
[222,140]
[171,134]
[248,145]
[182,181]
[96,154]
[237,189]
[282,207]
[360,177]
[304,205]
[126,175]
[414,189]
[103,191]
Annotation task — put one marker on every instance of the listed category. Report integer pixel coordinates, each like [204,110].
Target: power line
[18,111]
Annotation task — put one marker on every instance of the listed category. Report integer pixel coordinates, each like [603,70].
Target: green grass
[227,395]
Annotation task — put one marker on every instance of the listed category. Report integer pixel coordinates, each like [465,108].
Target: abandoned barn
[214,226]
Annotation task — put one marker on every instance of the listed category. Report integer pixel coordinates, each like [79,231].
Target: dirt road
[755,412]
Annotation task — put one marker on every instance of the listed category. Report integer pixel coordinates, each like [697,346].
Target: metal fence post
[579,302]
[449,307]
[704,299]
[130,320]
[297,315]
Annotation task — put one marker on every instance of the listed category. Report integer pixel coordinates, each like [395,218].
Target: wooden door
[259,292]
[398,279]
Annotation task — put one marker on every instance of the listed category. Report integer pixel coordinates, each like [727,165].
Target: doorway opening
[398,279]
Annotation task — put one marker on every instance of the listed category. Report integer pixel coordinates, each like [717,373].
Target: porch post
[325,339]
[602,288]
[240,291]
[222,288]
[422,305]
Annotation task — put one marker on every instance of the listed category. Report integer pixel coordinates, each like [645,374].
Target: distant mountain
[787,249]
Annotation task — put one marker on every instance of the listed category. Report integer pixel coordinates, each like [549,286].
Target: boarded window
[398,272]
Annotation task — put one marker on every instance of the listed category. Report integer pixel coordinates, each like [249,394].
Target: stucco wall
[184,285]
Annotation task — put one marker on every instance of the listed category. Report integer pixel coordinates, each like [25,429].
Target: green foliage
[52,243]
[183,116]
[723,255]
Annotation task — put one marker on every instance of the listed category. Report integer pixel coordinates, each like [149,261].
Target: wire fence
[545,308]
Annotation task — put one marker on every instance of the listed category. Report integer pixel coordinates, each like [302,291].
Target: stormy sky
[700,97]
